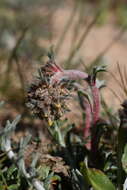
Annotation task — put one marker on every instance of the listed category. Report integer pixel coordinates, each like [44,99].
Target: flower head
[47,100]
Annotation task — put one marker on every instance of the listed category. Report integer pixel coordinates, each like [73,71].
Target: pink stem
[96,103]
[96,115]
[88,119]
[68,74]
[87,108]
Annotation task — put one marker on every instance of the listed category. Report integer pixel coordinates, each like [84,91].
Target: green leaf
[96,178]
[13,187]
[43,171]
[2,187]
[122,140]
[10,172]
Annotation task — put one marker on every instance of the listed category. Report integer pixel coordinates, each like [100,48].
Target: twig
[14,51]
[13,56]
[21,77]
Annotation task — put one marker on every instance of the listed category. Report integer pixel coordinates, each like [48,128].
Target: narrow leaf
[124,159]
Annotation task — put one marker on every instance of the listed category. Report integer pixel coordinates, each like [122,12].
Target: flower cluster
[47,100]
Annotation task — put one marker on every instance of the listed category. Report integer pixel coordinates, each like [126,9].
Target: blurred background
[82,33]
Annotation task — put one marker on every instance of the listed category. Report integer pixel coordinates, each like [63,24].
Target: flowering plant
[79,158]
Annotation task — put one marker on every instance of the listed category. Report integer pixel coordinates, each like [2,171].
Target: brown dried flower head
[45,99]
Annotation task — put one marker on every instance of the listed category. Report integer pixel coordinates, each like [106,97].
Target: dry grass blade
[109,46]
[82,38]
[77,27]
[13,58]
[125,73]
[122,78]
[115,94]
[14,51]
[118,81]
[66,28]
